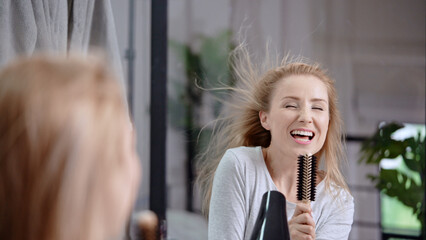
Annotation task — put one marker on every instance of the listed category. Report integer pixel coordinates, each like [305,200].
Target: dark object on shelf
[147,223]
[388,236]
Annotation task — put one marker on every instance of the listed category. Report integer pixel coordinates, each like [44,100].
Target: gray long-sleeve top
[240,181]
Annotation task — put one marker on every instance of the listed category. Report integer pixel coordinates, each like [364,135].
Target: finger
[301,236]
[305,229]
[304,218]
[297,235]
[302,208]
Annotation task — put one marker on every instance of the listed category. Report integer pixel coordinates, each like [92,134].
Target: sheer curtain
[60,26]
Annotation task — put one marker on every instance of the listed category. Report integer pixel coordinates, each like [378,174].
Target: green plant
[399,183]
[206,67]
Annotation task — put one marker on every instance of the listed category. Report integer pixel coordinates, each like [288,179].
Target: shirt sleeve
[227,215]
[339,222]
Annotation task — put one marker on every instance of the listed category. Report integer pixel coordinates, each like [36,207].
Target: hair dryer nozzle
[271,222]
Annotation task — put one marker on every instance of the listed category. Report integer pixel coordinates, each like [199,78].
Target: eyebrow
[312,100]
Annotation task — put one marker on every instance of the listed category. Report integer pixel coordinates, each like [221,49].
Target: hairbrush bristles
[306,176]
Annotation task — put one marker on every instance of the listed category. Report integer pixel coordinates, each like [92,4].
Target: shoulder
[333,205]
[241,156]
[341,194]
[240,160]
[243,151]
[334,212]
[334,196]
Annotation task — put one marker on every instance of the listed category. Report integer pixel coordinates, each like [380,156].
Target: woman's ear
[263,116]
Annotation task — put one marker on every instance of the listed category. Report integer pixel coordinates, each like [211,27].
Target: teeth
[302,133]
[303,140]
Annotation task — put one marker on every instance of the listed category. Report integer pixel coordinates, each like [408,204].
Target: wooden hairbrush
[306,176]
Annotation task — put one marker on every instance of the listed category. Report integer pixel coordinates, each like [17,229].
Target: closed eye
[290,106]
[318,108]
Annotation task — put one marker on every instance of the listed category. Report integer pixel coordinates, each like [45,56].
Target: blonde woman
[274,116]
[68,166]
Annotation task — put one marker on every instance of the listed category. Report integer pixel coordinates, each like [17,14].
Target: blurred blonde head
[67,166]
[240,124]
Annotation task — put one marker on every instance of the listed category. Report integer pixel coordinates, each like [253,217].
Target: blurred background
[375,51]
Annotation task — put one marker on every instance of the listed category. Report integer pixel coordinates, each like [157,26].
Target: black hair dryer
[271,223]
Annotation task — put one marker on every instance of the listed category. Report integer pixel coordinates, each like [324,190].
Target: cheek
[136,173]
[324,127]
[124,189]
[282,124]
[127,181]
[326,123]
[322,122]
[131,173]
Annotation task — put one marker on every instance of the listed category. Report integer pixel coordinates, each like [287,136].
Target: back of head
[61,132]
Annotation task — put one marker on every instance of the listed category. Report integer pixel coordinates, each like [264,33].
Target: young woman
[68,166]
[272,118]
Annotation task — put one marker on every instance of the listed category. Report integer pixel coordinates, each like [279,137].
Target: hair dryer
[271,222]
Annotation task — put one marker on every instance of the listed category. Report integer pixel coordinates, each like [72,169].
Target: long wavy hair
[239,123]
[62,129]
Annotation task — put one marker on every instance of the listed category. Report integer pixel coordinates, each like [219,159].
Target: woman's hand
[302,225]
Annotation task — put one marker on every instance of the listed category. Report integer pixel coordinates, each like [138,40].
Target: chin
[306,150]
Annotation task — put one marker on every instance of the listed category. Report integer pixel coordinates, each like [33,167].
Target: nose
[305,115]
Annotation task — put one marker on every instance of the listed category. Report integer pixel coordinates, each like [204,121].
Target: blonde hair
[61,133]
[239,124]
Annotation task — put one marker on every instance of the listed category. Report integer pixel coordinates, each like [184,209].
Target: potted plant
[396,182]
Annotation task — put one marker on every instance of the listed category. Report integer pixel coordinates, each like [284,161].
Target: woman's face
[298,117]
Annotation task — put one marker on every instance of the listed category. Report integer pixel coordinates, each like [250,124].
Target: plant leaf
[393,184]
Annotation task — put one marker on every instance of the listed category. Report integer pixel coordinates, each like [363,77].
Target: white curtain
[61,26]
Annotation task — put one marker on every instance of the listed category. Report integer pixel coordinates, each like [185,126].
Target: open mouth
[302,135]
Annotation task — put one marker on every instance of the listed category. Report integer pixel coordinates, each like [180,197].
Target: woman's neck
[283,171]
